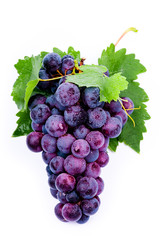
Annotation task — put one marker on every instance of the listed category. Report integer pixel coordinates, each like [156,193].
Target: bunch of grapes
[72,128]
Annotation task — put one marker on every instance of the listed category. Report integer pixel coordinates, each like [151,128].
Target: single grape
[112,128]
[113,106]
[128,104]
[105,145]
[75,115]
[123,116]
[61,197]
[49,143]
[36,127]
[92,170]
[52,62]
[58,212]
[53,192]
[83,219]
[67,64]
[46,156]
[74,165]
[103,159]
[56,165]
[56,126]
[67,94]
[90,206]
[87,187]
[51,181]
[91,97]
[34,141]
[72,197]
[95,139]
[65,183]
[44,85]
[92,156]
[40,113]
[64,143]
[96,117]
[35,100]
[71,212]
[100,185]
[81,132]
[80,148]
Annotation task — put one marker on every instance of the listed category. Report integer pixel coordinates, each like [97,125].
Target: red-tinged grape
[56,126]
[49,143]
[57,165]
[65,183]
[64,143]
[71,212]
[75,115]
[36,127]
[128,104]
[123,116]
[46,156]
[92,170]
[80,148]
[81,132]
[95,139]
[105,145]
[89,206]
[103,159]
[34,141]
[58,212]
[87,187]
[113,106]
[74,165]
[100,185]
[112,128]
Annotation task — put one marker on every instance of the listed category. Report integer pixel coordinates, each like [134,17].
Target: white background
[130,203]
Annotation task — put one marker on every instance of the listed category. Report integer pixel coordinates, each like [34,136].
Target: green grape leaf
[29,89]
[73,53]
[93,76]
[58,51]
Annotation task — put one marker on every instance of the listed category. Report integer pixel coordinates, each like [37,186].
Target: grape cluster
[72,128]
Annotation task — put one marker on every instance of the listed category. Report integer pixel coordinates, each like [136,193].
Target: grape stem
[128,30]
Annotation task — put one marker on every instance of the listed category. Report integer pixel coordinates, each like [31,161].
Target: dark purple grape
[49,173]
[128,104]
[54,85]
[92,170]
[34,141]
[112,128]
[56,164]
[67,56]
[74,166]
[72,197]
[81,132]
[46,156]
[100,185]
[56,126]
[55,111]
[35,100]
[36,127]
[98,198]
[91,97]
[44,85]
[90,207]
[103,159]
[53,192]
[65,183]
[80,148]
[67,94]
[113,106]
[123,116]
[75,115]
[96,117]
[67,64]
[83,219]
[105,145]
[52,62]
[71,212]
[92,156]
[40,113]
[58,212]
[87,187]
[49,143]
[95,139]
[61,154]
[51,181]
[51,101]
[64,143]
[44,129]
[61,197]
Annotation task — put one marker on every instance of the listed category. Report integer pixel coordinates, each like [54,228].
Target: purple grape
[55,111]
[90,207]
[113,106]
[65,183]
[56,164]
[56,126]
[61,197]
[61,154]
[91,97]
[49,173]
[92,156]
[128,104]
[35,100]
[67,94]
[53,192]
[44,129]
[40,113]
[87,187]
[96,117]
[98,198]
[52,62]
[75,115]
[64,143]
[58,212]
[100,185]
[123,116]
[52,102]
[74,166]
[103,159]
[72,197]
[92,170]
[105,145]
[80,148]
[44,85]
[71,212]
[46,156]
[36,127]
[95,139]
[49,143]
[81,132]
[34,141]
[112,128]
[83,219]
[67,64]
[51,181]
